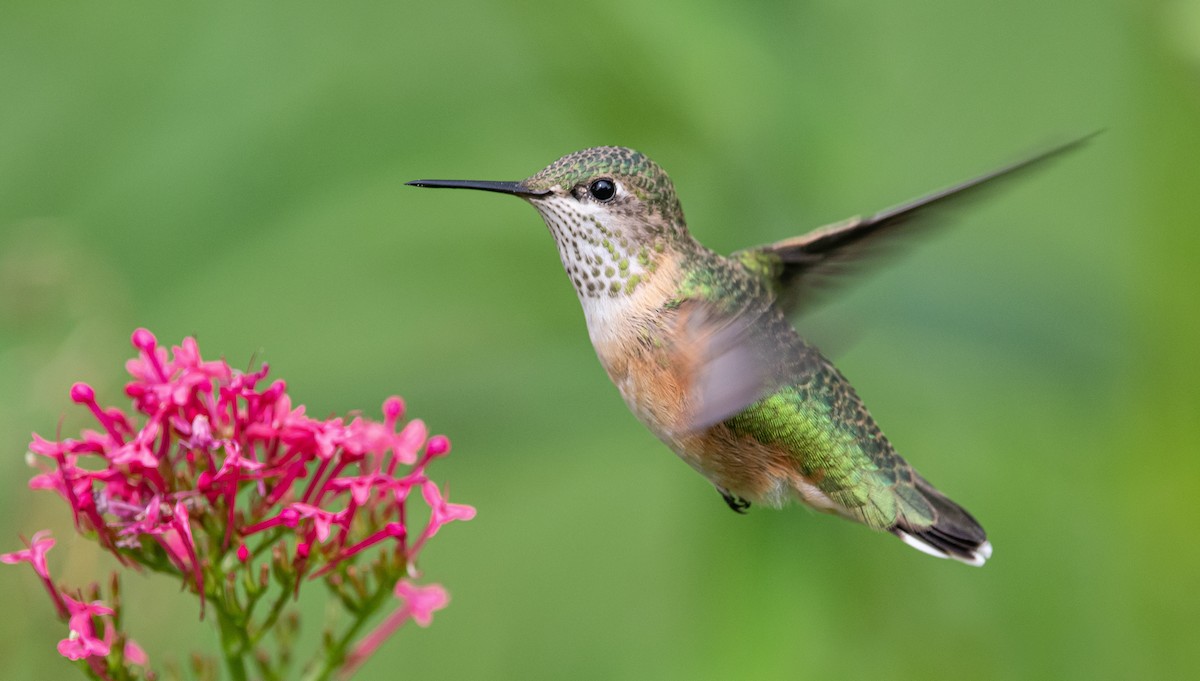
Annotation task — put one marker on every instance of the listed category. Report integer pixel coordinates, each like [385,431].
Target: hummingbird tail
[953,533]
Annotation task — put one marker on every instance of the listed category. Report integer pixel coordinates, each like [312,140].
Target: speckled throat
[602,259]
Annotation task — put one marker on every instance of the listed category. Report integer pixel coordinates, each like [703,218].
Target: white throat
[605,264]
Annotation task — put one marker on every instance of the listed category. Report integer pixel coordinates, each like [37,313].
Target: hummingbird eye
[602,189]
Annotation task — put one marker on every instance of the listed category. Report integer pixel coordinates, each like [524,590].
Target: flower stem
[335,654]
[272,616]
[234,644]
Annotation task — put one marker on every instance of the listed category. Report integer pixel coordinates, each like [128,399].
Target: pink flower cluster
[220,462]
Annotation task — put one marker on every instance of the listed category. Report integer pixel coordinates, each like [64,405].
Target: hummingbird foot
[738,504]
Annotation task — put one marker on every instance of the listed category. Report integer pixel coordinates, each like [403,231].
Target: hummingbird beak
[517,188]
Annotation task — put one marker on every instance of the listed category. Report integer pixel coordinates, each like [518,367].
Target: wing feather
[803,266]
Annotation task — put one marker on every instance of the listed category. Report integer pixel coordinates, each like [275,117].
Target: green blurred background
[235,173]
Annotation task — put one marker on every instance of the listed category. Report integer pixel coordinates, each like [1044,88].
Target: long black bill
[502,187]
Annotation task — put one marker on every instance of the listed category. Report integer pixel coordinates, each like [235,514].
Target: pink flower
[82,393]
[291,516]
[35,555]
[199,434]
[82,640]
[442,511]
[389,531]
[418,604]
[135,654]
[183,527]
[437,446]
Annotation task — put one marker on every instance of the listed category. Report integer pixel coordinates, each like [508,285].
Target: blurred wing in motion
[806,266]
[734,358]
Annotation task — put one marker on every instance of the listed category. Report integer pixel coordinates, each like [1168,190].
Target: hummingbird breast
[640,340]
[658,383]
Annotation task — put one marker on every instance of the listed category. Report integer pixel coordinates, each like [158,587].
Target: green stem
[272,616]
[234,644]
[335,655]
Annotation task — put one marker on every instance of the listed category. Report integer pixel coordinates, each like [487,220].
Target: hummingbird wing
[726,355]
[802,267]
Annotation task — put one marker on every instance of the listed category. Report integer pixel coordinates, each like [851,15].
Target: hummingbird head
[612,211]
[618,185]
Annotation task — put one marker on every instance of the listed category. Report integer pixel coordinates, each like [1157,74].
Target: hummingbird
[703,351]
